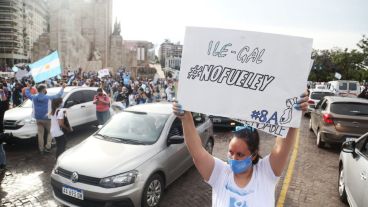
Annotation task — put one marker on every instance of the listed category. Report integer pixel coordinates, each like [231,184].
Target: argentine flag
[46,68]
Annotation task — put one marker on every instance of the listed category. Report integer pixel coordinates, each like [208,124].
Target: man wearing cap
[40,107]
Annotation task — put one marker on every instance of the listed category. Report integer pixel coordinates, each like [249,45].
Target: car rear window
[349,108]
[343,86]
[352,86]
[320,95]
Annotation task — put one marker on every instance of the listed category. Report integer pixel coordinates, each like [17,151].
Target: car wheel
[153,191]
[310,125]
[342,192]
[320,143]
[209,146]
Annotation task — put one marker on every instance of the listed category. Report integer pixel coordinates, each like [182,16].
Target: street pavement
[313,183]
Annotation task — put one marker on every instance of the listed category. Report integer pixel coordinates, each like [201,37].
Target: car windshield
[28,103]
[320,95]
[349,108]
[133,127]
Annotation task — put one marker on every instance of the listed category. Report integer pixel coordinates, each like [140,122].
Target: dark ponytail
[55,104]
[251,137]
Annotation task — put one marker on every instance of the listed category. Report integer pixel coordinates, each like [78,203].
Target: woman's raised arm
[203,161]
[280,152]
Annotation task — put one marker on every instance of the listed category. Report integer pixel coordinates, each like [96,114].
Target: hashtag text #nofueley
[231,76]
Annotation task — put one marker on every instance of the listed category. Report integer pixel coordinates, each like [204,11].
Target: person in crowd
[123,97]
[247,179]
[2,156]
[364,93]
[102,102]
[59,125]
[33,90]
[117,92]
[141,97]
[40,107]
[169,93]
[87,83]
[4,105]
[17,95]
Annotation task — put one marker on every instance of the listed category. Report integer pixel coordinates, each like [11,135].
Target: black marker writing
[231,76]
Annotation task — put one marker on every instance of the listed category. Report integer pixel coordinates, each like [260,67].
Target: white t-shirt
[259,192]
[55,127]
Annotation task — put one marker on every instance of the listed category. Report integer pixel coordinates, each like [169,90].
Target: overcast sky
[331,23]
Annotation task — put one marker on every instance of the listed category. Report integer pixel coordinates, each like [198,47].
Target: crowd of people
[119,87]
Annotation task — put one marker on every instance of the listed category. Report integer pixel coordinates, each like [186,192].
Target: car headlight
[119,180]
[27,121]
[55,170]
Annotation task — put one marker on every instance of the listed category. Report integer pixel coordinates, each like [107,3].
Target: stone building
[170,50]
[21,24]
[82,32]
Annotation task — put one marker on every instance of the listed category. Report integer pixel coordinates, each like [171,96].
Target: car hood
[100,158]
[18,113]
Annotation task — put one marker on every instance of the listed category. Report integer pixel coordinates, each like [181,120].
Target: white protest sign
[251,76]
[267,127]
[103,72]
[21,73]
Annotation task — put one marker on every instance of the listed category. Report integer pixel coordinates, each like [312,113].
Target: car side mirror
[175,140]
[69,104]
[349,147]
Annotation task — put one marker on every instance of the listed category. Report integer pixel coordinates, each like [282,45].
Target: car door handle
[363,176]
[83,106]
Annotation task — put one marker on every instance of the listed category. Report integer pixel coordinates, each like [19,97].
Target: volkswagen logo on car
[74,177]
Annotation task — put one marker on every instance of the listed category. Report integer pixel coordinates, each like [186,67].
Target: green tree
[348,63]
[363,44]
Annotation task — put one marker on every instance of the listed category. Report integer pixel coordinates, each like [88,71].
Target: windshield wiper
[136,112]
[105,137]
[132,141]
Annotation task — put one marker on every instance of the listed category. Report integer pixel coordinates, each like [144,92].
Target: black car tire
[153,191]
[320,143]
[341,186]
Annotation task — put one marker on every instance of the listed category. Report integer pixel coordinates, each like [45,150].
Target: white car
[353,172]
[320,87]
[315,95]
[78,101]
[130,160]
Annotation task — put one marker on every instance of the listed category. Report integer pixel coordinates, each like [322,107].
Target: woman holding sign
[247,179]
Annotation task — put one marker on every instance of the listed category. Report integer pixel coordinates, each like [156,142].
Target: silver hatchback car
[129,161]
[353,172]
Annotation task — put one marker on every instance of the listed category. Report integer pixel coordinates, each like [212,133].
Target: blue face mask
[240,166]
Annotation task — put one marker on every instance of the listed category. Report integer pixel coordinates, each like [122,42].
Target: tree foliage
[351,64]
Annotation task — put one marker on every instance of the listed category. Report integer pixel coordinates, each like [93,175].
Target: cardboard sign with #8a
[251,76]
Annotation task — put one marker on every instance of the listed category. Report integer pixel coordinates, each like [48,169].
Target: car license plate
[350,138]
[73,192]
[217,120]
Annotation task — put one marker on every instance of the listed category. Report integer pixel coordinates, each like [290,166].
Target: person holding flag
[40,107]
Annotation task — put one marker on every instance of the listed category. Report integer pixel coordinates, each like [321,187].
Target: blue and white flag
[46,68]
